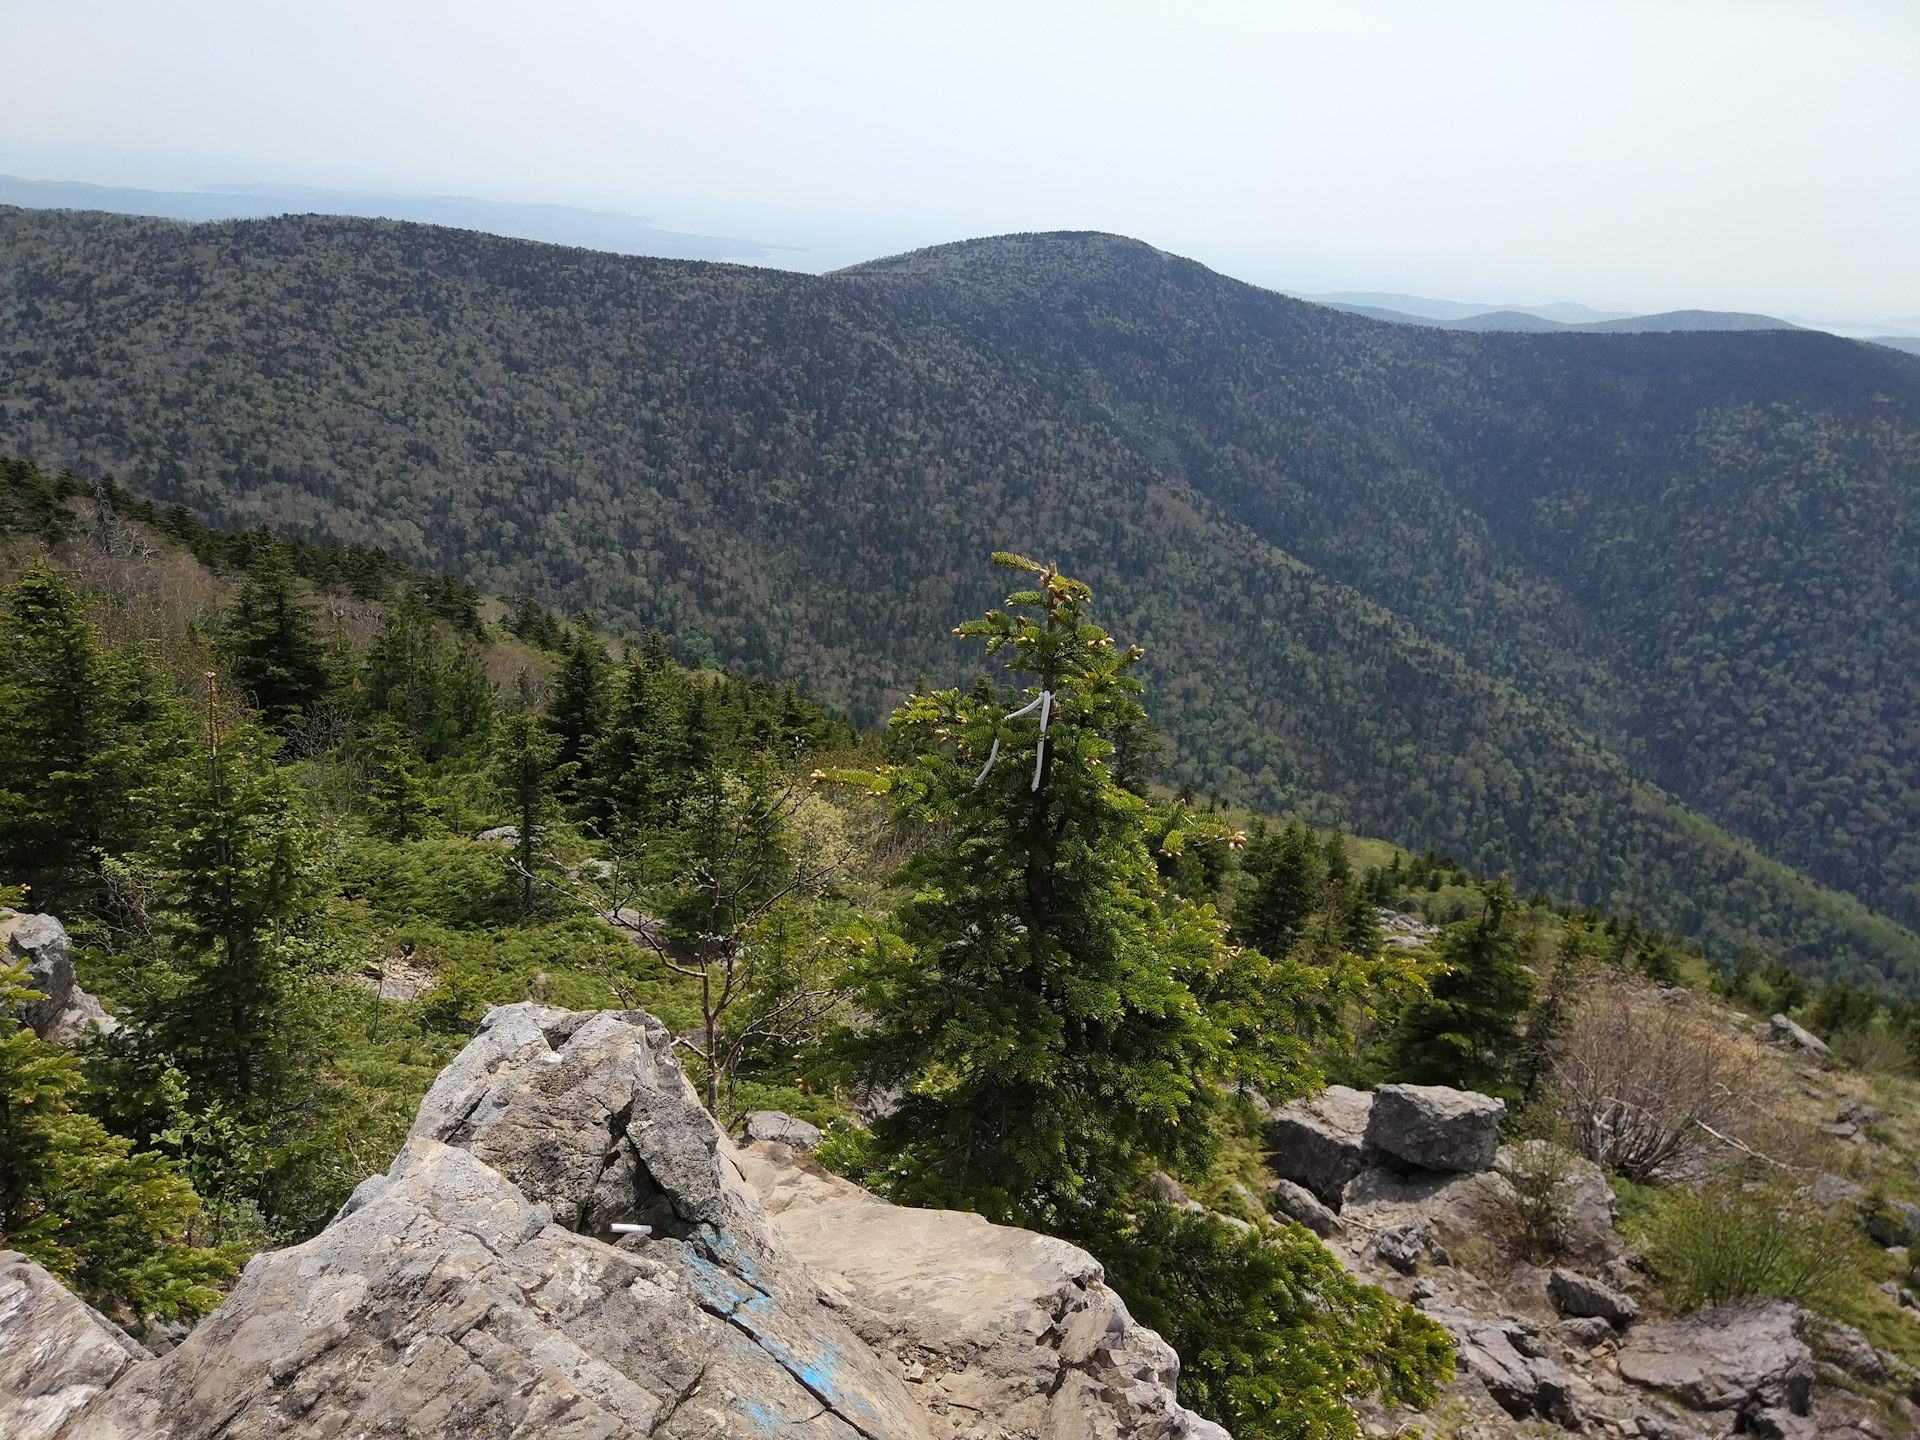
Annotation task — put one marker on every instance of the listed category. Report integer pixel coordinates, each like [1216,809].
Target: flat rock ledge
[568,1247]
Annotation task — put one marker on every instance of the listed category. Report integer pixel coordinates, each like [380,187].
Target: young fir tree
[80,725]
[1292,873]
[272,645]
[577,711]
[233,873]
[1041,997]
[112,1222]
[435,690]
[399,800]
[1056,1023]
[1466,1031]
[525,772]
[643,763]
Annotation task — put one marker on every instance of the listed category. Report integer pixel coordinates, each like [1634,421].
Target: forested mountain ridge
[1650,532]
[1528,583]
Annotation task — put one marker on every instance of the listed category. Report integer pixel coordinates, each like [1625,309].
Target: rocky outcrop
[1509,1359]
[67,1011]
[1321,1143]
[1301,1205]
[567,1246]
[1325,1142]
[990,1326]
[778,1126]
[1781,1031]
[1435,1127]
[57,1354]
[1747,1358]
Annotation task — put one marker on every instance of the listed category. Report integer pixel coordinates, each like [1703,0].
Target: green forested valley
[1628,617]
[306,812]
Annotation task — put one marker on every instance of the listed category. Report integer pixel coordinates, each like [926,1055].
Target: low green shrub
[1732,1237]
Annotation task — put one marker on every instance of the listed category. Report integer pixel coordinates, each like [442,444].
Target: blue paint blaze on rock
[766,1421]
[817,1370]
[718,1291]
[722,1250]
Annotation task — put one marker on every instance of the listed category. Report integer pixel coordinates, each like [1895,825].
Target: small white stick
[1040,751]
[1043,704]
[620,1229]
[992,755]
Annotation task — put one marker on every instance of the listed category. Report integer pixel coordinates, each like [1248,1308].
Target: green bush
[444,879]
[1273,1335]
[1732,1238]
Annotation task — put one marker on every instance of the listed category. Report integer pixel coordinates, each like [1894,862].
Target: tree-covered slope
[1527,597]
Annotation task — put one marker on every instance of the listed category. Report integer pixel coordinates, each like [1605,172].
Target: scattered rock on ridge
[1298,1203]
[66,1012]
[780,1126]
[1781,1031]
[1167,1190]
[1746,1357]
[1579,1298]
[1894,1222]
[1435,1126]
[1321,1142]
[1505,1356]
[492,1282]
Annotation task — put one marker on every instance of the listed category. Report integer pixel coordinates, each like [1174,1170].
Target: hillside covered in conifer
[1630,617]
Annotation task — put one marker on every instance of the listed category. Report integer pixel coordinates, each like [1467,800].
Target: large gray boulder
[1321,1143]
[781,1127]
[1747,1357]
[1301,1205]
[67,1011]
[57,1354]
[1505,1355]
[987,1323]
[567,1247]
[1779,1030]
[1435,1126]
[1579,1297]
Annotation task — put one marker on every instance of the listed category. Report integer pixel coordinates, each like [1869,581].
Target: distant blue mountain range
[559,224]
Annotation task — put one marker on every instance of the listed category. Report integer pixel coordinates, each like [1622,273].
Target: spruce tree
[234,872]
[1292,873]
[80,725]
[437,691]
[578,709]
[643,764]
[525,774]
[112,1222]
[1055,1022]
[1466,1031]
[1039,1000]
[398,797]
[272,645]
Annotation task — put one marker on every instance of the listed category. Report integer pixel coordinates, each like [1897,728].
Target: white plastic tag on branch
[1045,706]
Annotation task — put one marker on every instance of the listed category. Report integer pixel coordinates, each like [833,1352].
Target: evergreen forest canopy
[307,811]
[1628,617]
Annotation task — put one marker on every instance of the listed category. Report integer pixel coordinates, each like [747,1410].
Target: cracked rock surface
[998,1331]
[480,1288]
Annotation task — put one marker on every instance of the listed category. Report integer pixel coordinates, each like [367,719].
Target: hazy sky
[1751,155]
